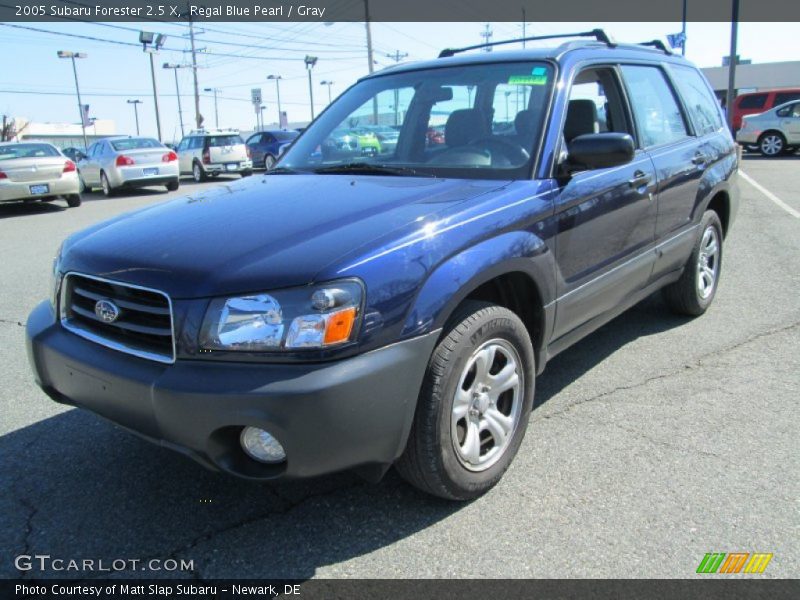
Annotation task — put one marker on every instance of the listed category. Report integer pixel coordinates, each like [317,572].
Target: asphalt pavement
[654,441]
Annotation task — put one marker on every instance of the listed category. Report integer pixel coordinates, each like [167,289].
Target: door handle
[640,179]
[700,159]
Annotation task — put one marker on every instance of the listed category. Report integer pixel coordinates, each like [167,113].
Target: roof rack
[598,34]
[656,44]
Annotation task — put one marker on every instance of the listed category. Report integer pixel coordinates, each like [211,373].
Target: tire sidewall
[490,326]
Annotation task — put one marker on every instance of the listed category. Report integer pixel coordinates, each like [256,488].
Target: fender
[719,177]
[454,279]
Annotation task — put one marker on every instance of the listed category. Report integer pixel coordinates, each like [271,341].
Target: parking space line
[770,195]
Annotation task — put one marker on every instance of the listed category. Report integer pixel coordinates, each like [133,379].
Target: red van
[758,102]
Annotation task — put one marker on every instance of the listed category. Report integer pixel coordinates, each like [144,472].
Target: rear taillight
[3,175]
[69,167]
[206,157]
[124,161]
[169,157]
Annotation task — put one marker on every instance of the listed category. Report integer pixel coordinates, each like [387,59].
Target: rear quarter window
[784,97]
[700,103]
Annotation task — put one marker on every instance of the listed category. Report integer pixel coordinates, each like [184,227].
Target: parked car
[127,162]
[74,154]
[387,137]
[754,103]
[370,310]
[31,171]
[349,141]
[265,146]
[207,153]
[773,132]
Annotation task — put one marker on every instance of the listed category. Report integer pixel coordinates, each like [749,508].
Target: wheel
[771,143]
[269,162]
[473,408]
[694,292]
[173,185]
[108,191]
[198,173]
[73,200]
[247,173]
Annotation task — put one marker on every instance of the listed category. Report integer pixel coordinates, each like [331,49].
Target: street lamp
[73,56]
[175,68]
[261,109]
[310,62]
[151,44]
[329,84]
[277,79]
[136,112]
[216,112]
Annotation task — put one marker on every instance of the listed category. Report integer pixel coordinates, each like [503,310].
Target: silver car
[37,171]
[774,131]
[128,162]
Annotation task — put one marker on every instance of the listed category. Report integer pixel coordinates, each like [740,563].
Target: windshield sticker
[542,71]
[527,80]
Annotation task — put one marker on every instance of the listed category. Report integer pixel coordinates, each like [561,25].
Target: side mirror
[600,151]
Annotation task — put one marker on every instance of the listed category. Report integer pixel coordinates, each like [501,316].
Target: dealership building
[755,77]
[63,135]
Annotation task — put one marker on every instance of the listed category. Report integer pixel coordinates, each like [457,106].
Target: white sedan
[37,171]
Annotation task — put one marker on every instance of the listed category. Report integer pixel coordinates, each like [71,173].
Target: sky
[35,84]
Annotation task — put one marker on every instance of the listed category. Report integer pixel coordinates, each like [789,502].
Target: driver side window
[595,105]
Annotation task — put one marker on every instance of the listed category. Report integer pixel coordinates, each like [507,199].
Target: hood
[260,233]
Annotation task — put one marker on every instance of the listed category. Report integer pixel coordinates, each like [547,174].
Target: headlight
[308,317]
[55,279]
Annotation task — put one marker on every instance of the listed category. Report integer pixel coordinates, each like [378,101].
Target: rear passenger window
[658,117]
[753,101]
[784,97]
[698,99]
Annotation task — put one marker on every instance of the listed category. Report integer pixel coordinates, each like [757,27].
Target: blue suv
[364,310]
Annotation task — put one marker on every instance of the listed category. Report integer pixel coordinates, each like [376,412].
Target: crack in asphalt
[32,512]
[673,372]
[11,322]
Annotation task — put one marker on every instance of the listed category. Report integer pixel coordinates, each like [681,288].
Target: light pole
[216,112]
[262,108]
[277,79]
[329,84]
[732,64]
[73,56]
[310,62]
[151,44]
[175,68]
[683,30]
[136,112]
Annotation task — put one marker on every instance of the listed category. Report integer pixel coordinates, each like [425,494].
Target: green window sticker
[527,80]
[541,71]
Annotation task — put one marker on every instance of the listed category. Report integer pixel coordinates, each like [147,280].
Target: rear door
[679,157]
[790,122]
[605,217]
[185,155]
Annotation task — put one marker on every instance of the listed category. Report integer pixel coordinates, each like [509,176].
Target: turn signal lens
[69,167]
[340,324]
[169,157]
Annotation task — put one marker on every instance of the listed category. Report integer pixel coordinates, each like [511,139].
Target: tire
[269,162]
[108,191]
[694,292]
[247,173]
[771,144]
[198,173]
[437,456]
[73,200]
[173,186]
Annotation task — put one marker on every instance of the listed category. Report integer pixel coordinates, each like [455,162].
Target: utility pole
[683,30]
[310,61]
[136,104]
[175,68]
[397,57]
[197,116]
[523,27]
[369,36]
[732,64]
[486,34]
[73,56]
[151,44]
[277,79]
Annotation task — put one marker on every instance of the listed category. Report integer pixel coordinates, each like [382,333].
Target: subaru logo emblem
[106,311]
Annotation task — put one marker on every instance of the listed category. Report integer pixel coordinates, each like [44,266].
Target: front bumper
[328,416]
[12,191]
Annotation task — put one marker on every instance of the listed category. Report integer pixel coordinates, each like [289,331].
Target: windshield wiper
[283,171]
[370,169]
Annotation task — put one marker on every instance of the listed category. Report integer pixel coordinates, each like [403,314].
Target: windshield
[27,151]
[135,144]
[474,121]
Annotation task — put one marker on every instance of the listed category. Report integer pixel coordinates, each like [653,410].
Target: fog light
[260,445]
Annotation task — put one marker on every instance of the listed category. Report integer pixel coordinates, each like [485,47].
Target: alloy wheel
[708,263]
[487,404]
[772,145]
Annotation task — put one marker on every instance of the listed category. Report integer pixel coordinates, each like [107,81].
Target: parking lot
[654,441]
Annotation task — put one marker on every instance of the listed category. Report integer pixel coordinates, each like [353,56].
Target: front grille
[142,327]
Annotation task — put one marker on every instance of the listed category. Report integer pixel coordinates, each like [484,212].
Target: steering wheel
[511,151]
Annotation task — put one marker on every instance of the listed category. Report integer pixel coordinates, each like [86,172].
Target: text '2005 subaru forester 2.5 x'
[363,310]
